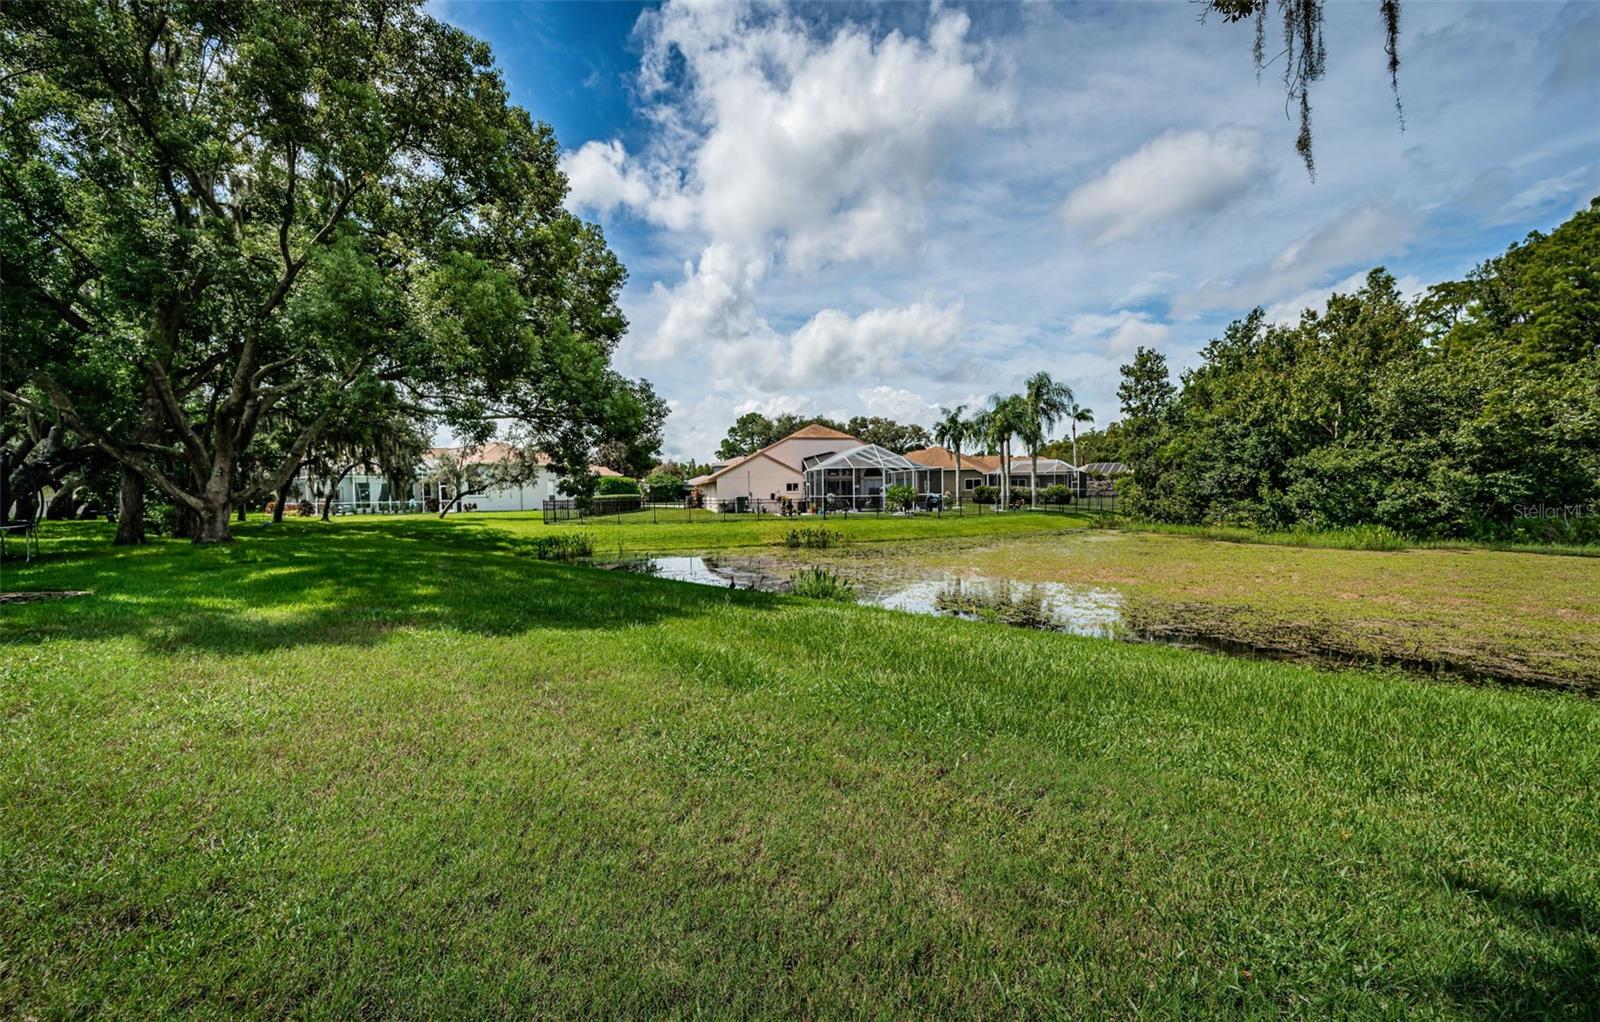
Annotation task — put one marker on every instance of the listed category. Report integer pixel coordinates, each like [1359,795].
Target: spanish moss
[1305,54]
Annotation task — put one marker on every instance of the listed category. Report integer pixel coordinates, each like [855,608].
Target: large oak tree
[211,213]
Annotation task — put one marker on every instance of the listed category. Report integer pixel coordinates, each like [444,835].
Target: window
[791,487]
[969,484]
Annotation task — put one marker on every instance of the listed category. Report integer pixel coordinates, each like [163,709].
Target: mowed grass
[678,530]
[401,769]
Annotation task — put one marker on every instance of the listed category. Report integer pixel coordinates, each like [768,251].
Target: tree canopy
[220,217]
[753,431]
[1473,412]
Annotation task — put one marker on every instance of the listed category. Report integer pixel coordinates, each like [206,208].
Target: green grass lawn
[400,768]
[675,529]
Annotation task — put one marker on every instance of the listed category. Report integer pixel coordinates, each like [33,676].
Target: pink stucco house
[774,472]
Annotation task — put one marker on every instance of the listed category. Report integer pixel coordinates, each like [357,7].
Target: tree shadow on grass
[353,584]
[1554,974]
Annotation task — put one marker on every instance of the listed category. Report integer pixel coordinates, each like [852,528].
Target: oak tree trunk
[216,504]
[130,509]
[213,522]
[333,491]
[61,506]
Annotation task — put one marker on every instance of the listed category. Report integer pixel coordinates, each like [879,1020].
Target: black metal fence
[633,509]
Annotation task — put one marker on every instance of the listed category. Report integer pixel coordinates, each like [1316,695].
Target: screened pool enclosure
[858,477]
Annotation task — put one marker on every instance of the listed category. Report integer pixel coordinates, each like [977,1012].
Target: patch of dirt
[42,594]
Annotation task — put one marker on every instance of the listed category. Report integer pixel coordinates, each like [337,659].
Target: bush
[664,487]
[160,519]
[821,584]
[1058,494]
[986,495]
[617,505]
[900,497]
[609,486]
[812,537]
[570,546]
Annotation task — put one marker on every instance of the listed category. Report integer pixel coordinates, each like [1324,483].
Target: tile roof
[815,431]
[942,457]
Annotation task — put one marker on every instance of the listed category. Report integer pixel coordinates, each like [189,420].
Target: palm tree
[1001,421]
[952,431]
[1032,434]
[1075,415]
[1048,402]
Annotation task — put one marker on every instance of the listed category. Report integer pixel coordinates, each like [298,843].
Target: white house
[363,492]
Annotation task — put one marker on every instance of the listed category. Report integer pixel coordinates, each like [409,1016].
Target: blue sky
[847,208]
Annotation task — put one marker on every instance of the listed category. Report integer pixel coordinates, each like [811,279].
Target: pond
[1050,605]
[1055,606]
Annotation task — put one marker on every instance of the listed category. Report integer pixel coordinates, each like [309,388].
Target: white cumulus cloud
[877,343]
[1177,175]
[899,404]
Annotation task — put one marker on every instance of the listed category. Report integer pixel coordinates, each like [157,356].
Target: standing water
[1048,605]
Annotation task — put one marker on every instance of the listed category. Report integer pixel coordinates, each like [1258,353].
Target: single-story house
[362,491]
[775,472]
[986,470]
[975,469]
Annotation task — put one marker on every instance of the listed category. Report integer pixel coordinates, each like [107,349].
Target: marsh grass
[1002,601]
[563,546]
[813,537]
[819,583]
[406,769]
[1363,537]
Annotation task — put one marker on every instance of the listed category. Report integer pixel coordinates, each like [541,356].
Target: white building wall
[527,496]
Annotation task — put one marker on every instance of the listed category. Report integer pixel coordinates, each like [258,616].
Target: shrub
[615,505]
[986,495]
[161,519]
[821,584]
[1058,494]
[664,487]
[900,496]
[570,546]
[610,486]
[812,537]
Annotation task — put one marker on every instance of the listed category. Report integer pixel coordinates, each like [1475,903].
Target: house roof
[489,453]
[815,431]
[940,457]
[496,451]
[1106,468]
[943,457]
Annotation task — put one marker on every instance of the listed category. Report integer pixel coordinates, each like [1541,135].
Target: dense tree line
[752,431]
[1473,411]
[240,238]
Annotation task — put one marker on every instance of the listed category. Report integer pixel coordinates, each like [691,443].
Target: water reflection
[1049,605]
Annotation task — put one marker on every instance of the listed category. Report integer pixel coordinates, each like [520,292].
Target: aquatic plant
[1002,601]
[819,583]
[568,546]
[812,537]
